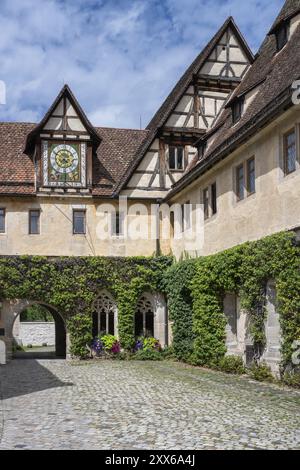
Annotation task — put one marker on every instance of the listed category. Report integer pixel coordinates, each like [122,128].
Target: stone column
[272,355]
[160,319]
[236,325]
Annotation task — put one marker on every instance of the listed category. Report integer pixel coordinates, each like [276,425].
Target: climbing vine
[176,284]
[244,270]
[195,290]
[71,285]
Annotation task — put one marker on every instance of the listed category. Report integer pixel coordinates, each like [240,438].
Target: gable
[64,117]
[228,59]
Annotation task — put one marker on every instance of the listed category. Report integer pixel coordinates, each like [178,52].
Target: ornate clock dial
[64,159]
[64,164]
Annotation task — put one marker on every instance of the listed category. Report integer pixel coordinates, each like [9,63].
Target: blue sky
[120,57]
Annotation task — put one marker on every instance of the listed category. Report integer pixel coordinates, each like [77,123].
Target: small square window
[289,152]
[237,110]
[176,158]
[79,222]
[240,182]
[186,214]
[214,206]
[118,224]
[205,197]
[2,220]
[34,222]
[251,176]
[282,37]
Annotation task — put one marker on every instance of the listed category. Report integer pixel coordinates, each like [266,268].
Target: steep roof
[172,100]
[115,153]
[178,91]
[65,91]
[273,73]
[16,168]
[289,9]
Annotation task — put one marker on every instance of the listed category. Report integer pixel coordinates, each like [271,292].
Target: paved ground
[52,404]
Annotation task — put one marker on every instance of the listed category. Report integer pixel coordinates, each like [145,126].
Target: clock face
[64,158]
[64,164]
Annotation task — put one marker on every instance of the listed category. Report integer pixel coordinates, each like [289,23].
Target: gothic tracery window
[144,318]
[104,315]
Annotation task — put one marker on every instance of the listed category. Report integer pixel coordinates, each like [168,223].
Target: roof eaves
[280,104]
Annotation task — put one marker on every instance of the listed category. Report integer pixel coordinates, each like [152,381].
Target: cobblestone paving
[52,404]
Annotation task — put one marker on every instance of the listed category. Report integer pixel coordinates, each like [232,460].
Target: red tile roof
[115,154]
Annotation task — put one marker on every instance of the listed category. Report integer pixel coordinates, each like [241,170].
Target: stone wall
[36,333]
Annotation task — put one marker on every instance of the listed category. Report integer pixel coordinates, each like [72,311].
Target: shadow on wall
[22,377]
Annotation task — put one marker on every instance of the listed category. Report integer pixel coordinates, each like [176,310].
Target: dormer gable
[64,118]
[62,145]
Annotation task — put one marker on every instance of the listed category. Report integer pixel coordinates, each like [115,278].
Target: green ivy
[71,285]
[176,284]
[196,290]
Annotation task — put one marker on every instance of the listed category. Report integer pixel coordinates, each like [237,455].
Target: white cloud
[121,58]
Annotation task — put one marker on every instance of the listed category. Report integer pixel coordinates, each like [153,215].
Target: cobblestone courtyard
[52,404]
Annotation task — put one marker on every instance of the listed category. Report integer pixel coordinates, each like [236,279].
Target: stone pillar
[160,319]
[272,354]
[236,325]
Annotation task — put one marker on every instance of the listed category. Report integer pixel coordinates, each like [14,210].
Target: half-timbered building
[223,149]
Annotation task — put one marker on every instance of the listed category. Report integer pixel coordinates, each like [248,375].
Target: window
[117,224]
[240,182]
[104,315]
[34,222]
[237,110]
[206,203]
[251,176]
[289,152]
[282,37]
[186,216]
[214,207]
[176,155]
[144,318]
[79,222]
[2,220]
[201,150]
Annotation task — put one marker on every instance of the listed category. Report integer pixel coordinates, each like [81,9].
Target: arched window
[144,318]
[104,315]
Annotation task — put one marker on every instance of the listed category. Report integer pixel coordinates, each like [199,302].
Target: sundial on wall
[64,164]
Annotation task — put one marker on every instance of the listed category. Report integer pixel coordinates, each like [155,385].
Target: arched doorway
[11,313]
[105,315]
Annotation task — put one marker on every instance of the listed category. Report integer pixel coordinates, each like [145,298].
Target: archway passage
[39,332]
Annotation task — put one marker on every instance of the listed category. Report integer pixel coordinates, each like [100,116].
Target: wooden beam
[162,164]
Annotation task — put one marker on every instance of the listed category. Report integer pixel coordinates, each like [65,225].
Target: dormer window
[237,110]
[176,158]
[282,36]
[201,150]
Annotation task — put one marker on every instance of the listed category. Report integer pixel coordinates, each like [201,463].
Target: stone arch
[12,309]
[105,314]
[151,317]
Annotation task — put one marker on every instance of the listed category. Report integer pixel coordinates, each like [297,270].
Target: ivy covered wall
[71,285]
[244,270]
[194,288]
